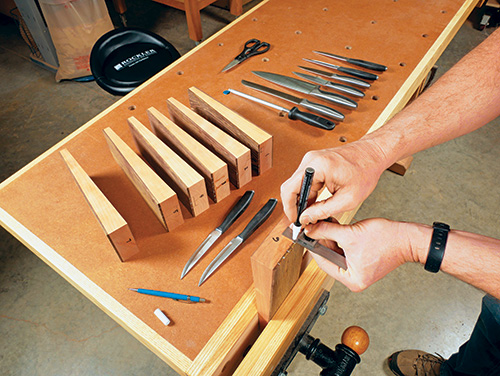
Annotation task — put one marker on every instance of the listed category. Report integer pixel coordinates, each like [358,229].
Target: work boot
[415,363]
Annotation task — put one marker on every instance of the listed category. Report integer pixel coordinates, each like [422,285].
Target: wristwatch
[437,246]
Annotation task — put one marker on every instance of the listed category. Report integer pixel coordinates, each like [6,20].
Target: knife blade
[339,87]
[315,247]
[353,72]
[306,88]
[253,225]
[338,77]
[231,217]
[358,62]
[311,106]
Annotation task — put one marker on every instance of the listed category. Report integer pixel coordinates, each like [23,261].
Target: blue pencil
[170,295]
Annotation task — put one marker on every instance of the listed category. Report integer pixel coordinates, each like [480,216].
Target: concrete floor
[49,328]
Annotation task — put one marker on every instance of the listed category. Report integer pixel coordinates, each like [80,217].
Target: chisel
[293,114]
[357,62]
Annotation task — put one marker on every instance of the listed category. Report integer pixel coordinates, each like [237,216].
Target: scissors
[252,47]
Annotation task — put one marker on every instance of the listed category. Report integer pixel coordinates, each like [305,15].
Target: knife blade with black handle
[306,88]
[338,77]
[357,62]
[332,85]
[353,72]
[293,113]
[311,106]
[232,216]
[259,218]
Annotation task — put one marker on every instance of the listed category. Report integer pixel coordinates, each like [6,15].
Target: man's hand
[349,172]
[372,248]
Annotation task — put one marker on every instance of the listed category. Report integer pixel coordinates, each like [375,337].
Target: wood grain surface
[233,152]
[158,195]
[114,226]
[213,169]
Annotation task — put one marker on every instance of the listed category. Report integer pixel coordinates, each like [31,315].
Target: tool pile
[351,86]
[189,157]
[200,150]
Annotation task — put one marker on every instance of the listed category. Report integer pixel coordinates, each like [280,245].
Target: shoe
[415,363]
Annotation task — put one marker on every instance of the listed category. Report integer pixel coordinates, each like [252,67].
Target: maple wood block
[259,141]
[158,195]
[276,266]
[113,224]
[213,169]
[235,154]
[400,167]
[189,184]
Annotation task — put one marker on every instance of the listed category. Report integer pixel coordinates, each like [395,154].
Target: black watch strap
[437,247]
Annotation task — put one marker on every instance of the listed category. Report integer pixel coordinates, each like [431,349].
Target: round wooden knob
[356,339]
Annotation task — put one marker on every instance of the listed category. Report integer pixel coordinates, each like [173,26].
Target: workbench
[42,206]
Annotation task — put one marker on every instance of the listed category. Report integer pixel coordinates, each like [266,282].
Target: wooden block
[400,167]
[113,224]
[276,266]
[259,141]
[158,195]
[236,155]
[213,169]
[268,350]
[188,184]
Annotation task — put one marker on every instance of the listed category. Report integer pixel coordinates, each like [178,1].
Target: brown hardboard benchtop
[46,200]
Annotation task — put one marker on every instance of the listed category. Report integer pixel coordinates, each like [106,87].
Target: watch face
[441,225]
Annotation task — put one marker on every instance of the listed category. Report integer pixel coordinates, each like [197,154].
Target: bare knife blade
[346,89]
[253,225]
[353,72]
[311,106]
[358,62]
[306,88]
[337,77]
[315,247]
[233,215]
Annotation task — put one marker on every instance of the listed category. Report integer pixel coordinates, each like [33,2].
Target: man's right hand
[349,172]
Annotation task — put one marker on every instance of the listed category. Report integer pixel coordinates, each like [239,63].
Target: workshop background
[47,327]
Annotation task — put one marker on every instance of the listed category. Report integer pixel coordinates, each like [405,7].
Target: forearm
[473,258]
[464,99]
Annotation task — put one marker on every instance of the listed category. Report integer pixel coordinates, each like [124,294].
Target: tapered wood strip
[113,224]
[235,154]
[213,169]
[400,167]
[226,348]
[158,195]
[276,267]
[259,141]
[188,184]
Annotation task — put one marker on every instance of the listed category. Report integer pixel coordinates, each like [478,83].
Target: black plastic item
[124,58]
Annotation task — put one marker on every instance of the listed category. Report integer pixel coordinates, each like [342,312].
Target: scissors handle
[253,47]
